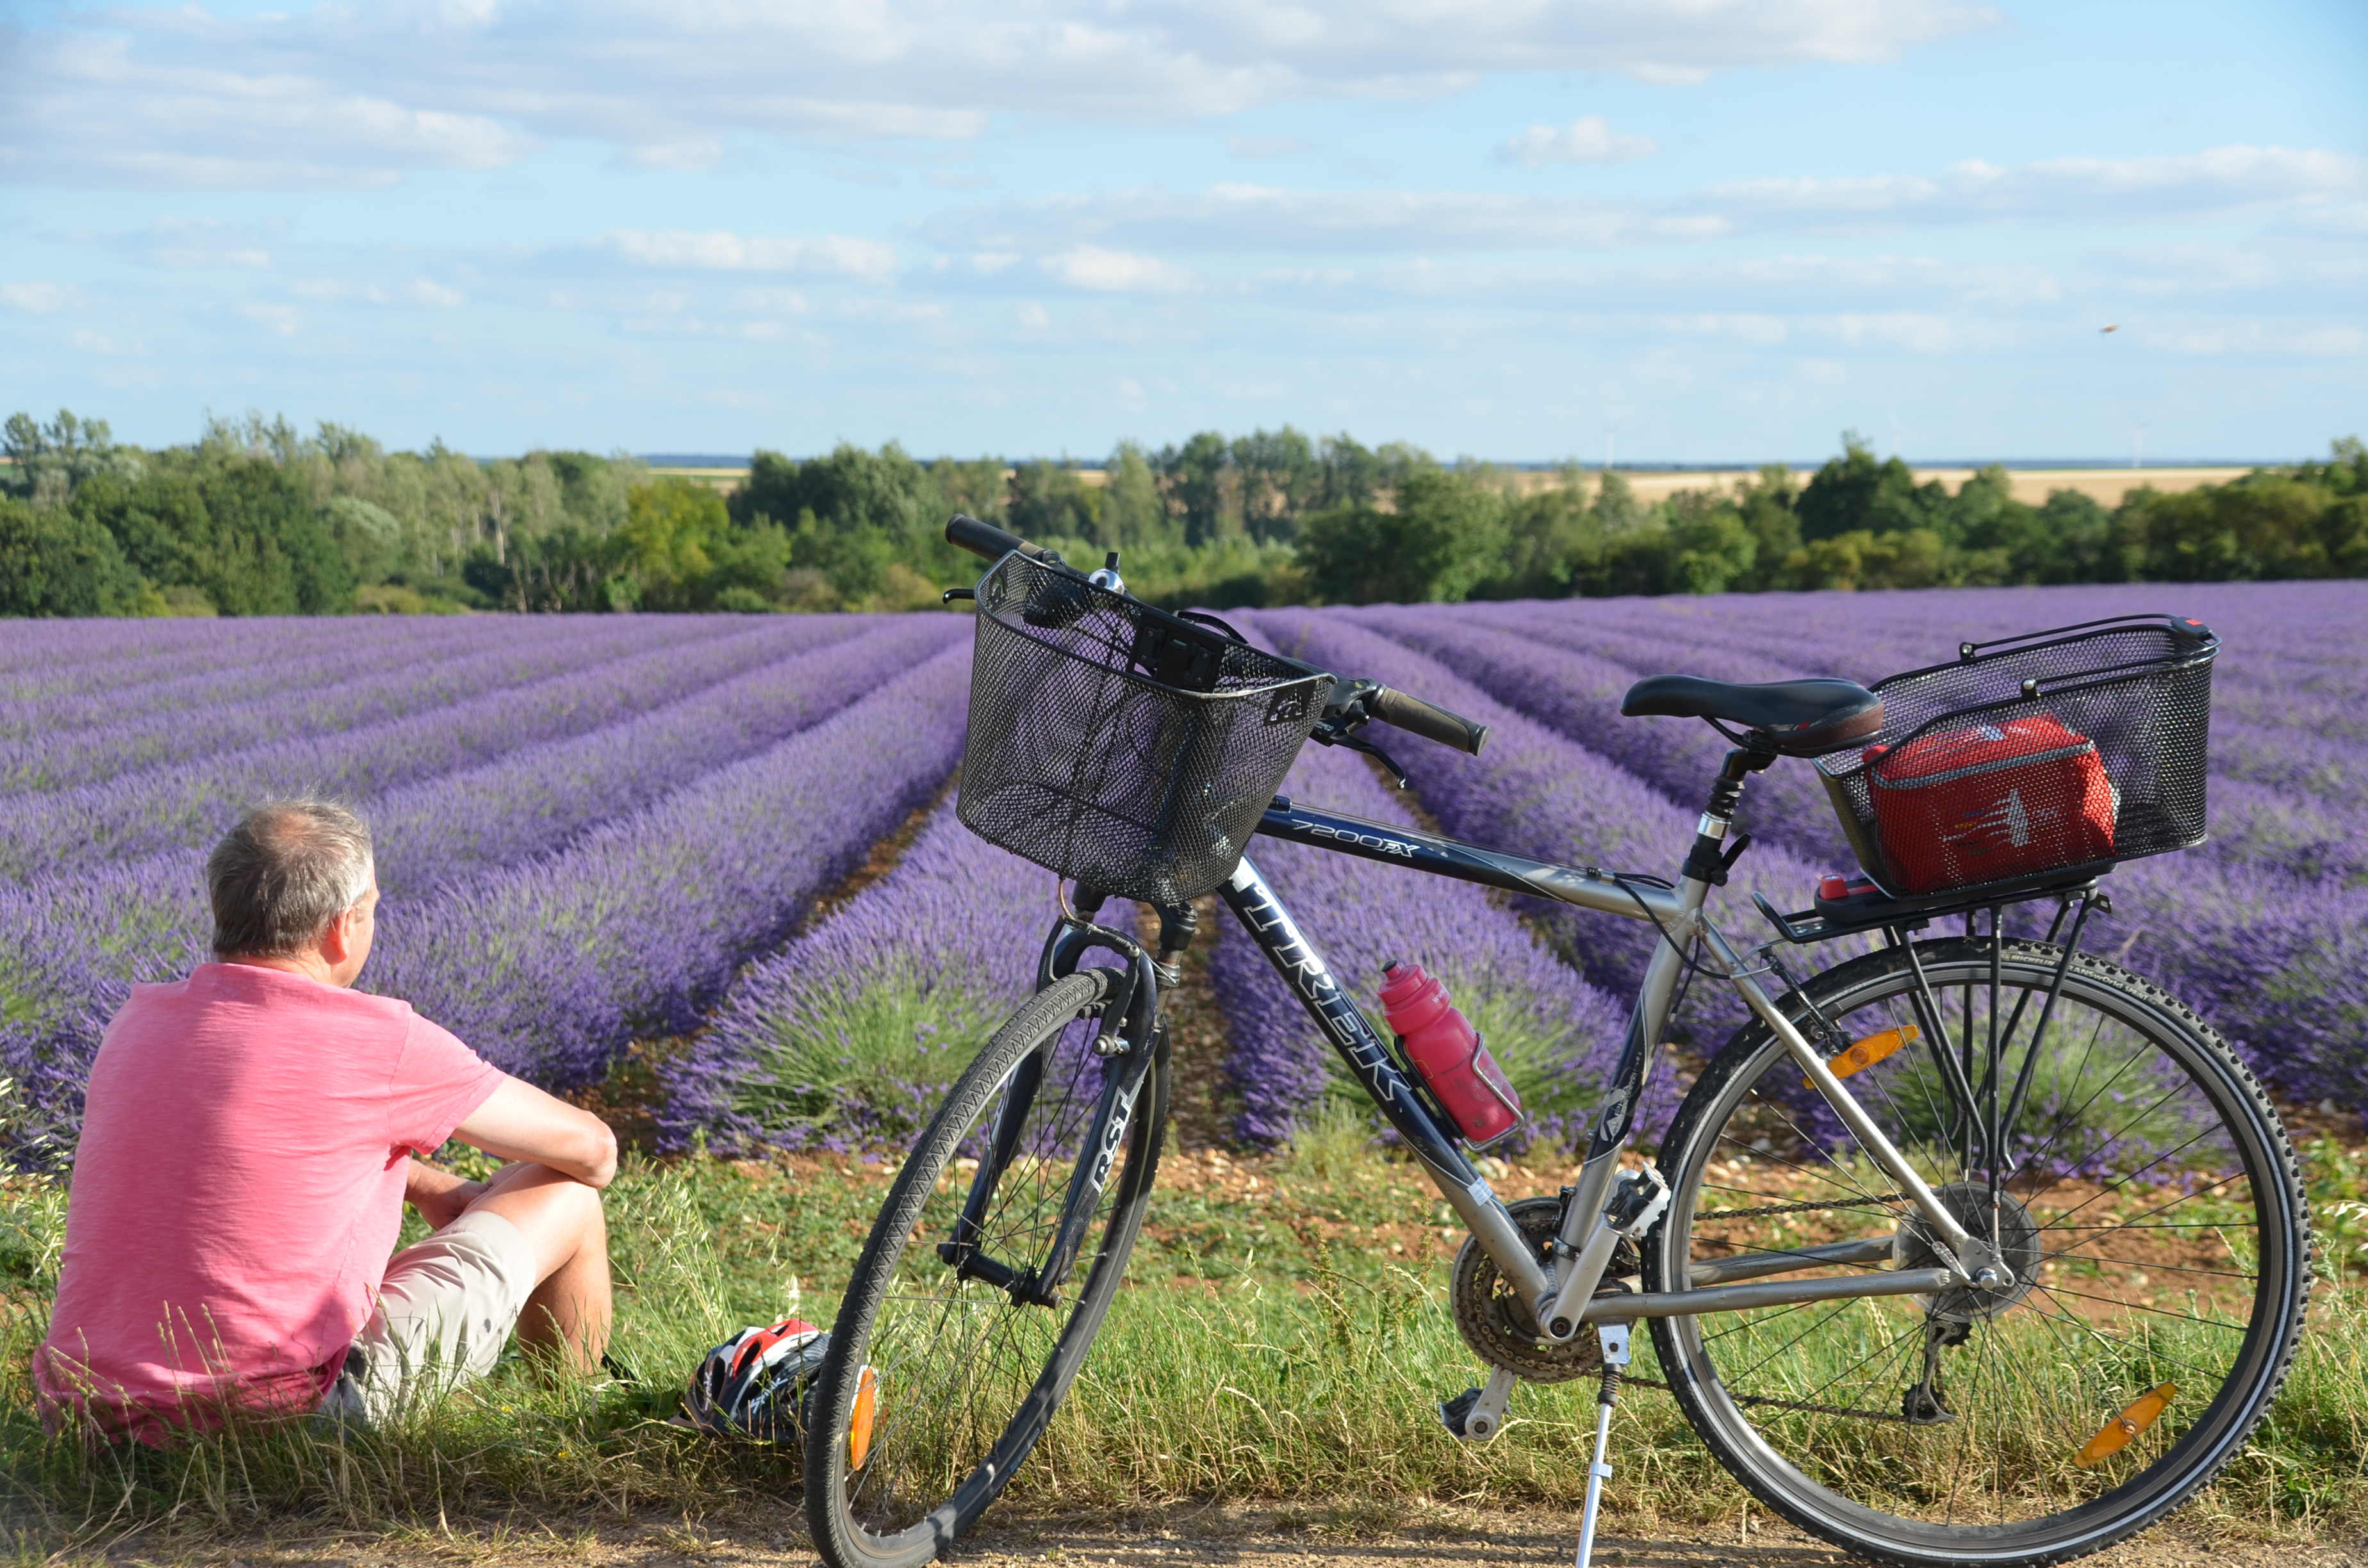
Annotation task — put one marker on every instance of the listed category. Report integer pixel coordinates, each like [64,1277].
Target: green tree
[679,551]
[1132,514]
[1854,493]
[1196,477]
[1552,541]
[1279,476]
[238,529]
[1050,502]
[54,560]
[1445,536]
[46,463]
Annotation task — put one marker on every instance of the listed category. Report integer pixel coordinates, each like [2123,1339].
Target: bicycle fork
[1127,1041]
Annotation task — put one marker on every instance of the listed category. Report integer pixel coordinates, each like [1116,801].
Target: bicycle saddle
[1798,718]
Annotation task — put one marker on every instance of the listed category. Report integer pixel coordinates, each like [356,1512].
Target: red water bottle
[1447,1053]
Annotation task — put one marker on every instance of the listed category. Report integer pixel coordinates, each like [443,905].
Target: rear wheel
[2148,1209]
[941,1376]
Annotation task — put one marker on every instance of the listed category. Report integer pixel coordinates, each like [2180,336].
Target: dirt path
[772,1536]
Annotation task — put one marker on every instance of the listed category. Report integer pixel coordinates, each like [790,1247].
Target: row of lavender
[581,834]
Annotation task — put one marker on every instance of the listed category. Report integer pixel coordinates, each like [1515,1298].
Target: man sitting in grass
[248,1147]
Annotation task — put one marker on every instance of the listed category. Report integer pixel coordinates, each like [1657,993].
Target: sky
[1661,231]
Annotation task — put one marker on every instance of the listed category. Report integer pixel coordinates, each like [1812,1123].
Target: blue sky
[1695,230]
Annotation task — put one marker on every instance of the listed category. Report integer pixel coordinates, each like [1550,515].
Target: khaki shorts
[444,1312]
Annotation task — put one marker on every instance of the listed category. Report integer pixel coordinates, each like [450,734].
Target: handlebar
[1430,721]
[985,540]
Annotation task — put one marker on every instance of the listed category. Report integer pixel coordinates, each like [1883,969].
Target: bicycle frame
[1584,1244]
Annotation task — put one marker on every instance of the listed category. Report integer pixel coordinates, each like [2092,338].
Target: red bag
[1957,807]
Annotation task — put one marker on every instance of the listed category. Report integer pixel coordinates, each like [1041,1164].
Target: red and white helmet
[753,1384]
[757,1385]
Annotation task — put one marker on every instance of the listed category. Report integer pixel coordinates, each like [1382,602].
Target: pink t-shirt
[237,1191]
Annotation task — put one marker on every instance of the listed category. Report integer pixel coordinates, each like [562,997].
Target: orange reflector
[859,1421]
[1864,1053]
[2122,1428]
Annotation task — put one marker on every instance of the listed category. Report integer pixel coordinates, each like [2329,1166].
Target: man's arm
[518,1121]
[438,1194]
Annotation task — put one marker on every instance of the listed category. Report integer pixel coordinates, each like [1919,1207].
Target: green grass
[1271,1346]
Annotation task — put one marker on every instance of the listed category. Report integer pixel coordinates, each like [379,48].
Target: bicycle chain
[1796,1208]
[1761,1400]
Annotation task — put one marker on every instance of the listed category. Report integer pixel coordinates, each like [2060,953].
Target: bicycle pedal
[1477,1415]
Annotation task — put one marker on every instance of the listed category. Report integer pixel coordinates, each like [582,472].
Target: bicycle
[1971,1249]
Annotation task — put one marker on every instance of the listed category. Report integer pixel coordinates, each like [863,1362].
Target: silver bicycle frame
[1587,1238]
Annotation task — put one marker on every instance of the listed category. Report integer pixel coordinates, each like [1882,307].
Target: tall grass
[1268,1346]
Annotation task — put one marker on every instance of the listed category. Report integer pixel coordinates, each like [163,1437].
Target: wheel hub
[2014,1239]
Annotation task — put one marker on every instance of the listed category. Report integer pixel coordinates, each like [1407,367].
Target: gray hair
[279,877]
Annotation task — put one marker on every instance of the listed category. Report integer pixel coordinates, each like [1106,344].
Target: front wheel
[945,1364]
[2143,1204]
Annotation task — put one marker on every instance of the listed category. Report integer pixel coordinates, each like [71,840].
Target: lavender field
[604,830]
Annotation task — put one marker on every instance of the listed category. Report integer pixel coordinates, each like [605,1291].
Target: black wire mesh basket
[1117,745]
[2054,751]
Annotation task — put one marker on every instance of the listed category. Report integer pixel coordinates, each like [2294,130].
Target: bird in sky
[2115,327]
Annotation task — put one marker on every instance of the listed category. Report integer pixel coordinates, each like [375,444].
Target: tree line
[257,519]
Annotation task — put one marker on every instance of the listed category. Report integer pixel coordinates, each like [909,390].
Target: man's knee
[558,1215]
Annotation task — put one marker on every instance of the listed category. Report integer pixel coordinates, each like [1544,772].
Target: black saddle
[1798,718]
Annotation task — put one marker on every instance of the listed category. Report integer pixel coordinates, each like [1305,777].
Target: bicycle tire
[2072,1335]
[936,1459]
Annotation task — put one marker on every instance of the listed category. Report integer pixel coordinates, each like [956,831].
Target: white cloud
[2216,179]
[1263,220]
[343,94]
[718,250]
[1117,272]
[1586,140]
[40,298]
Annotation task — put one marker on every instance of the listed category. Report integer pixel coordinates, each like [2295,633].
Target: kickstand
[1613,1337]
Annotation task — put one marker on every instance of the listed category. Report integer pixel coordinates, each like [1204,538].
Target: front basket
[1129,749]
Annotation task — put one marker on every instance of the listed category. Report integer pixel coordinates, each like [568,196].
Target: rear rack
[1870,908]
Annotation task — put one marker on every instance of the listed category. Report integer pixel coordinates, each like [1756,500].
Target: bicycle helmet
[757,1384]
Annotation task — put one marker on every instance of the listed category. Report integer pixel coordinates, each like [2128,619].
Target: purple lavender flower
[855,1028]
[550,968]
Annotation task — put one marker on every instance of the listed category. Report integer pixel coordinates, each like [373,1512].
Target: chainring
[1492,1320]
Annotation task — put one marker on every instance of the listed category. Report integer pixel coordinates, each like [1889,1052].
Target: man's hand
[518,1121]
[438,1194]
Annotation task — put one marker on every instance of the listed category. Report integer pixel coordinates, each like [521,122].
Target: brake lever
[1332,734]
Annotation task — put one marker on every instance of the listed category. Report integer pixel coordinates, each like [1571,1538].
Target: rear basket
[1133,750]
[2059,751]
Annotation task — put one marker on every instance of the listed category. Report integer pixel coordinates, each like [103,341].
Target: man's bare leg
[567,1316]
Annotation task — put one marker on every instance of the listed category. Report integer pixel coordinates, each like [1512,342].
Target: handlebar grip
[985,538]
[1432,723]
